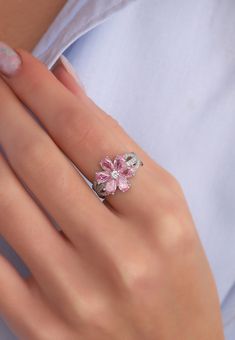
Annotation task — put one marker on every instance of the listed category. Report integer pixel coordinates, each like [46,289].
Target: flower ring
[116,174]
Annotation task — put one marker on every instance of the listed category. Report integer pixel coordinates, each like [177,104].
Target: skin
[131,268]
[23,22]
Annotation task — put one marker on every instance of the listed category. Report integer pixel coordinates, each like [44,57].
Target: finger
[93,231]
[26,228]
[13,290]
[30,233]
[49,320]
[82,130]
[22,223]
[64,72]
[53,261]
[49,175]
[26,313]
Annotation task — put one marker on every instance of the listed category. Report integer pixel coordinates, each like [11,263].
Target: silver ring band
[115,174]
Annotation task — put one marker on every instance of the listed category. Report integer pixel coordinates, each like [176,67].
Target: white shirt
[166,71]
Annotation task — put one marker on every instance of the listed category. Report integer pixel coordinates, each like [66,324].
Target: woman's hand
[130,268]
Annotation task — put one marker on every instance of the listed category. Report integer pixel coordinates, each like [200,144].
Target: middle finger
[46,171]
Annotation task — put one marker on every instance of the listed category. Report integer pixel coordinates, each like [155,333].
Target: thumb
[65,73]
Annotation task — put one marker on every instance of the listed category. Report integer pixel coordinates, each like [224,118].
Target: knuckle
[67,123]
[51,331]
[170,224]
[87,137]
[171,205]
[34,85]
[76,128]
[173,184]
[139,273]
[111,121]
[31,153]
[142,284]
[96,314]
[169,181]
[182,243]
[176,234]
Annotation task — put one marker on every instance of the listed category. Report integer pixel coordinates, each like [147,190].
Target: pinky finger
[25,313]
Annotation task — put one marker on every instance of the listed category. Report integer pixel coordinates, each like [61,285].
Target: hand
[130,268]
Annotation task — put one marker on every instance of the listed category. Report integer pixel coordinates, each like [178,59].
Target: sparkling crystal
[111,186]
[114,174]
[132,160]
[120,163]
[107,164]
[128,172]
[102,177]
[123,183]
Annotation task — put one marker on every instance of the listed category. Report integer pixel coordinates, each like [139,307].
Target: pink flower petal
[119,163]
[123,184]
[102,177]
[128,172]
[111,186]
[107,164]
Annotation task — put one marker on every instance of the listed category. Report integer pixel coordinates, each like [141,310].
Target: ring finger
[83,131]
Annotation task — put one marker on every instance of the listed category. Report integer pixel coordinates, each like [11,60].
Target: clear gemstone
[132,160]
[114,174]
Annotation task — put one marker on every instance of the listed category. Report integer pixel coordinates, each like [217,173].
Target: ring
[115,174]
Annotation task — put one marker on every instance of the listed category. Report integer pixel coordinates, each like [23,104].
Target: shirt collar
[74,20]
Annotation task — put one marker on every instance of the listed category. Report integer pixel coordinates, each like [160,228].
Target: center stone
[115,174]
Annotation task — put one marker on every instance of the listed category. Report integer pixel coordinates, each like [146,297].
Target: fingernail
[69,68]
[10,61]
